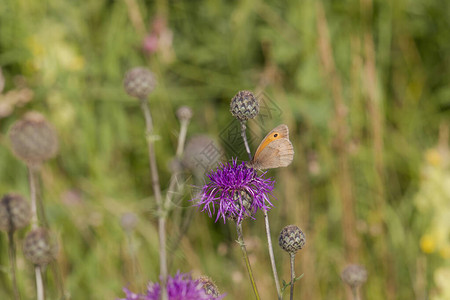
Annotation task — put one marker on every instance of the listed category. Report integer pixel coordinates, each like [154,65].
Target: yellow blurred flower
[433,157]
[53,55]
[427,244]
[67,57]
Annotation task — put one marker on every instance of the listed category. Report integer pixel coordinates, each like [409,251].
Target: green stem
[39,283]
[244,137]
[355,293]
[32,182]
[272,257]
[12,260]
[158,198]
[292,275]
[247,262]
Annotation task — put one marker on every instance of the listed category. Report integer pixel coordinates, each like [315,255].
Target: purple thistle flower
[236,191]
[179,287]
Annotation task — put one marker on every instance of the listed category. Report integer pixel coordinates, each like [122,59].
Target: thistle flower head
[179,287]
[235,191]
[354,275]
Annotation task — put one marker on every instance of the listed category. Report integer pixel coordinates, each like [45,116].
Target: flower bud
[139,82]
[201,154]
[354,275]
[244,106]
[184,113]
[33,139]
[291,239]
[38,248]
[15,212]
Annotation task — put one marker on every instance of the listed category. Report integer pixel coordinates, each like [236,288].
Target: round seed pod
[244,106]
[184,113]
[209,286]
[291,239]
[38,248]
[243,210]
[15,212]
[201,154]
[354,275]
[139,82]
[33,139]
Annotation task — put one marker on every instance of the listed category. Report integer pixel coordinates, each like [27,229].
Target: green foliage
[73,56]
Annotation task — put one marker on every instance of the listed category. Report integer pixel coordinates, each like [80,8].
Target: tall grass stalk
[344,181]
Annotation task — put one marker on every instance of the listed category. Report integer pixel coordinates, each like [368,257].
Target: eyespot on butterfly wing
[275,150]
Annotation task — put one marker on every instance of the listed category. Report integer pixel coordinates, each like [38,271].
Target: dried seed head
[201,154]
[291,239]
[128,221]
[354,275]
[209,286]
[244,106]
[15,212]
[243,210]
[33,139]
[139,82]
[184,113]
[38,248]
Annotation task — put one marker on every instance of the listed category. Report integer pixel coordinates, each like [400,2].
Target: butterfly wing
[279,132]
[278,153]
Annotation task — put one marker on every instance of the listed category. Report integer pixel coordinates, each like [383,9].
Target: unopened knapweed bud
[184,113]
[201,154]
[291,239]
[128,221]
[244,106]
[209,286]
[15,212]
[139,82]
[38,248]
[33,139]
[354,275]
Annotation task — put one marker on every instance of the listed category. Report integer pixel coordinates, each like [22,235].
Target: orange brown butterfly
[275,150]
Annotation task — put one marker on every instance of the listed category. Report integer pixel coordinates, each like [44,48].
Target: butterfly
[275,150]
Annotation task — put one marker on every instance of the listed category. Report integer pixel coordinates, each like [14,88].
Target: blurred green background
[364,87]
